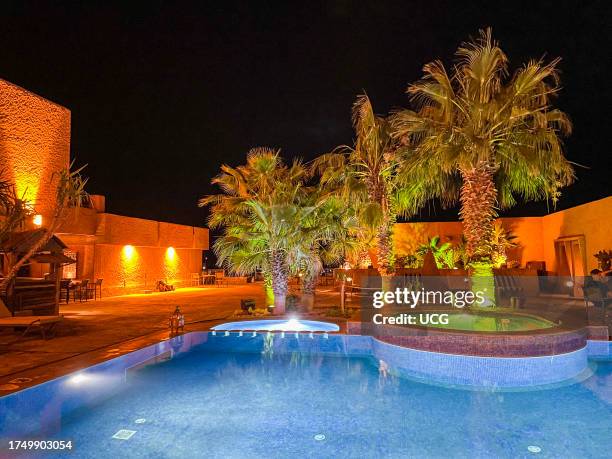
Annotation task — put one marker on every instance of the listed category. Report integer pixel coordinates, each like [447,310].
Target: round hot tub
[494,322]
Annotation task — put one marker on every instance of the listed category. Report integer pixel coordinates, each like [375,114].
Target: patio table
[208,279]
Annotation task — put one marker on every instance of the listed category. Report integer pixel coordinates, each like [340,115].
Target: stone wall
[34,143]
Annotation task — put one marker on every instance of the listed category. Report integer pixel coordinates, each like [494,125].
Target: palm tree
[366,175]
[481,138]
[501,240]
[260,213]
[327,236]
[14,210]
[443,254]
[69,193]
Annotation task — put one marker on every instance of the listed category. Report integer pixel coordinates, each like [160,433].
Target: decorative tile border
[541,343]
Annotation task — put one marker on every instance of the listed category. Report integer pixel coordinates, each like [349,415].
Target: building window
[70,271]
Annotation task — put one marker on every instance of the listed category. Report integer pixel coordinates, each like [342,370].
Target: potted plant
[604,258]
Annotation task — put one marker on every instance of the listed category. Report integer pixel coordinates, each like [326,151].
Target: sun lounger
[45,324]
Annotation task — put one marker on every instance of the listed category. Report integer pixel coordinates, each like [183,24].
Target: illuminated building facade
[129,254]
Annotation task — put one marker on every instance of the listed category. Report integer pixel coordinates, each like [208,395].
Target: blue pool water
[213,402]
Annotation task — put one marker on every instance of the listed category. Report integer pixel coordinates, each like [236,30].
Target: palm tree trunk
[280,279]
[309,286]
[478,203]
[384,252]
[478,200]
[268,288]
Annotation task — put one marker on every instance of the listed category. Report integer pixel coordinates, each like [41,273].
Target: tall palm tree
[260,213]
[482,138]
[366,175]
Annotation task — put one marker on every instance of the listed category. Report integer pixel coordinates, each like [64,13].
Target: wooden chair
[195,279]
[220,279]
[508,287]
[99,286]
[65,290]
[80,290]
[208,279]
[92,289]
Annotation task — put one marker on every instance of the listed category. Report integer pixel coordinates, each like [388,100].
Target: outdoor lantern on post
[176,321]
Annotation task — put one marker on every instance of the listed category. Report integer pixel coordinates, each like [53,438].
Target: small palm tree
[501,240]
[366,175]
[69,193]
[14,210]
[482,139]
[443,254]
[327,236]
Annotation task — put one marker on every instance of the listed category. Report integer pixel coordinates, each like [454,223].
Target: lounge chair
[45,324]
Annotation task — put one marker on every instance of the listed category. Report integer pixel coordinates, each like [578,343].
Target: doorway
[570,253]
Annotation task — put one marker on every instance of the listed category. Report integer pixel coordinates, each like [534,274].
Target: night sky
[163,93]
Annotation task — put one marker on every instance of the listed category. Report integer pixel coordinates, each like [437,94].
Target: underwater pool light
[78,379]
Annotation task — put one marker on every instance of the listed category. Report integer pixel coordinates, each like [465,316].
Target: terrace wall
[139,268]
[536,235]
[131,254]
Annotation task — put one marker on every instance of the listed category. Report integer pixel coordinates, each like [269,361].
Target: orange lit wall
[536,235]
[161,251]
[146,265]
[592,220]
[34,142]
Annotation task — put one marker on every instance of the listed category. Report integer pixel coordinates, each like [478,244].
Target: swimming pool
[215,396]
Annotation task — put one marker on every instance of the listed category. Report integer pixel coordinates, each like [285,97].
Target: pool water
[207,403]
[494,323]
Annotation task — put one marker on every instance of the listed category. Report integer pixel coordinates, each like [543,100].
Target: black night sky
[163,93]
